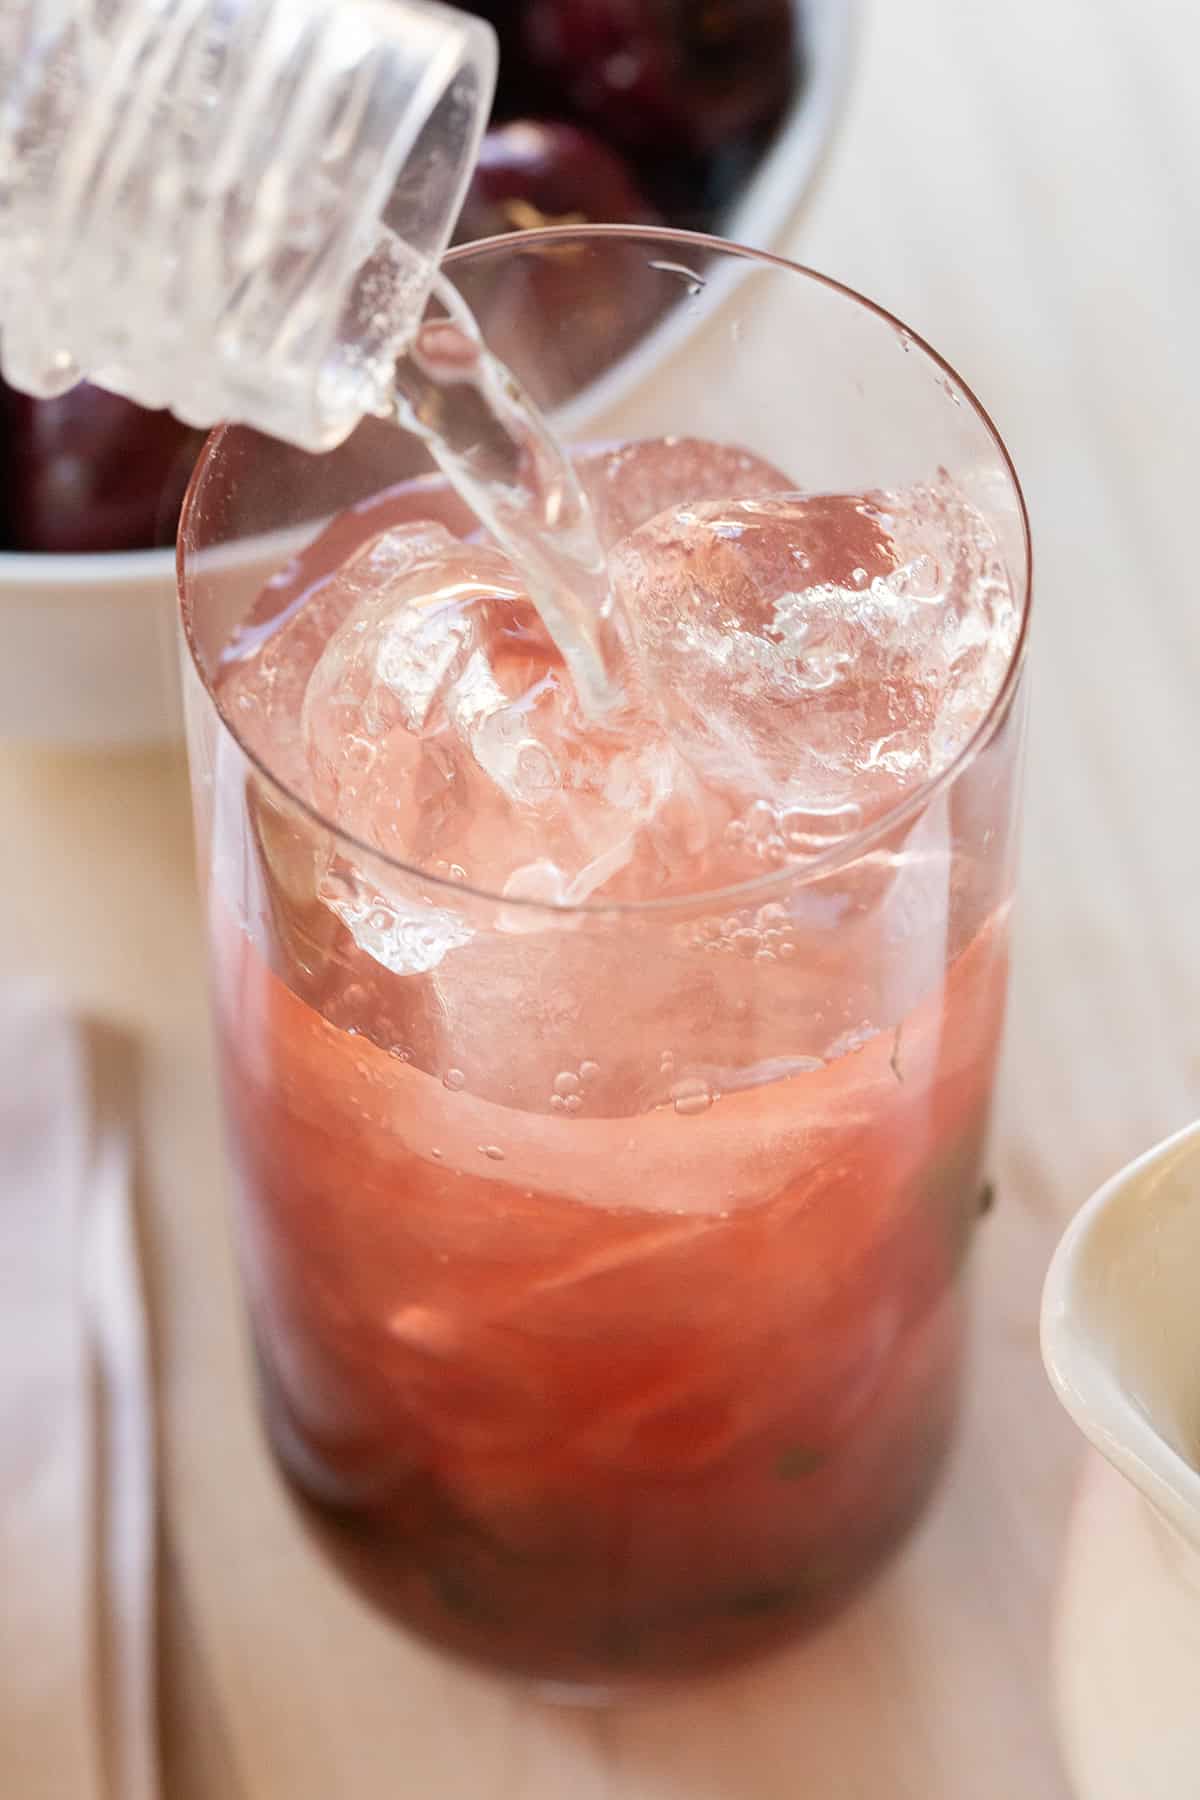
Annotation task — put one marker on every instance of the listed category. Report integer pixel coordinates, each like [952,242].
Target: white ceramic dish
[86,656]
[88,652]
[1121,1341]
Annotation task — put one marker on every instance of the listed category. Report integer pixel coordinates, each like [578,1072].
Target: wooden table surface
[1018,182]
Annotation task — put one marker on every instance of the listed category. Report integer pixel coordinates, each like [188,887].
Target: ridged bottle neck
[234,208]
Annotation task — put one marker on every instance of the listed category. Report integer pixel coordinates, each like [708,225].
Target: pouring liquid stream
[499,454]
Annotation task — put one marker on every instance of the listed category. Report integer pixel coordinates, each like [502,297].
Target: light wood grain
[1018,183]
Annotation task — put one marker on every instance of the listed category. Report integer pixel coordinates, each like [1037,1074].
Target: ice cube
[441,728]
[819,654]
[265,668]
[400,934]
[631,483]
[379,687]
[265,671]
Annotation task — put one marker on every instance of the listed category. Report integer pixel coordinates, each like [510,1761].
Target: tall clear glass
[605,1264]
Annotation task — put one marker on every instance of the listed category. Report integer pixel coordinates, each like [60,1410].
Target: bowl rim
[61,570]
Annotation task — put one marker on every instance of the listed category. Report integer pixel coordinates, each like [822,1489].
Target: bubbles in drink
[691,1097]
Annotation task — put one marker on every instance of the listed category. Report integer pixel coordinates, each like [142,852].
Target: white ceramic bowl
[86,653]
[1121,1343]
[87,658]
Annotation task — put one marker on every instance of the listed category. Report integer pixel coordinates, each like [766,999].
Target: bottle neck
[234,208]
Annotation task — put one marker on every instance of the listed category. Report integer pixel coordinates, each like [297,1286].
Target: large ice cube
[631,483]
[819,654]
[265,668]
[441,727]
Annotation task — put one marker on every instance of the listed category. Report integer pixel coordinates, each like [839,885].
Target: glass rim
[757,888]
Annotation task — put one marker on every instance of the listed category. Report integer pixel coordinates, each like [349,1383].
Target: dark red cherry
[90,471]
[560,313]
[535,172]
[682,76]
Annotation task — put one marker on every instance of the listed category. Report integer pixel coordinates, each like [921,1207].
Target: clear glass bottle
[234,208]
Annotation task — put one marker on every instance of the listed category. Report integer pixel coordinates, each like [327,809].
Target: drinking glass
[604,1264]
